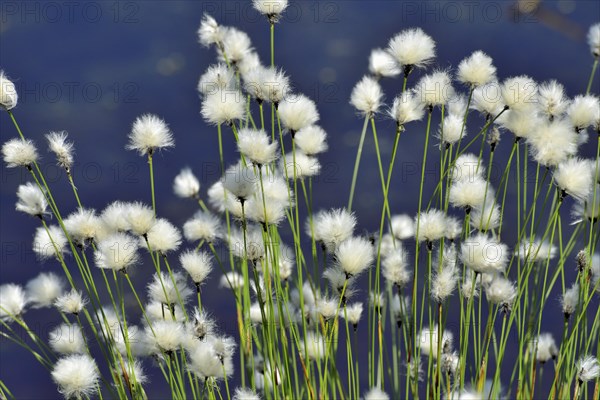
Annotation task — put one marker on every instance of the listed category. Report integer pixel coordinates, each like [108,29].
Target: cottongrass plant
[427,306]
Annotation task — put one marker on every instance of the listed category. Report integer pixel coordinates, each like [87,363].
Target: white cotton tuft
[575,177]
[76,375]
[300,165]
[533,250]
[470,194]
[570,299]
[12,301]
[57,143]
[395,268]
[148,134]
[451,129]
[520,93]
[67,339]
[235,47]
[435,89]
[19,153]
[593,39]
[202,226]
[186,185]
[430,225]
[314,346]
[353,313]
[197,264]
[429,341]
[406,108]
[354,255]
[588,368]
[162,237]
[165,335]
[402,226]
[583,111]
[543,347]
[245,394]
[297,112]
[217,77]
[467,167]
[117,252]
[366,96]
[223,107]
[376,394]
[44,289]
[332,227]
[114,217]
[487,99]
[32,200]
[256,146]
[412,48]
[267,84]
[240,181]
[552,99]
[140,218]
[552,142]
[484,254]
[444,282]
[311,140]
[271,8]
[210,32]
[71,302]
[49,243]
[477,69]
[169,288]
[502,292]
[8,92]
[382,64]
[84,226]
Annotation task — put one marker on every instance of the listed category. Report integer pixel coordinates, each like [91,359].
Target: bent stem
[357,161]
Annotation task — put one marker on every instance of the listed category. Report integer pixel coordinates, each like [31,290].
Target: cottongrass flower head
[570,300]
[588,209]
[84,226]
[552,142]
[552,100]
[412,48]
[162,237]
[430,226]
[240,181]
[266,211]
[49,243]
[202,226]
[588,368]
[236,46]
[435,89]
[255,146]
[217,77]
[32,200]
[519,93]
[156,311]
[453,228]
[366,96]
[197,264]
[395,268]
[57,143]
[501,292]
[314,346]
[487,99]
[574,177]
[297,112]
[311,140]
[245,394]
[352,313]
[406,108]
[477,69]
[12,301]
[522,123]
[444,282]
[593,39]
[223,107]
[210,32]
[186,185]
[71,302]
[428,341]
[165,336]
[354,255]
[534,250]
[8,92]
[67,339]
[486,218]
[332,227]
[451,130]
[19,153]
[583,111]
[76,375]
[484,254]
[376,393]
[43,290]
[382,64]
[148,134]
[133,371]
[300,165]
[400,309]
[117,252]
[140,218]
[543,348]
[202,325]
[272,9]
[267,84]
[467,167]
[169,288]
[212,358]
[402,226]
[114,217]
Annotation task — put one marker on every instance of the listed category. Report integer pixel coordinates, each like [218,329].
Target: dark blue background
[91,68]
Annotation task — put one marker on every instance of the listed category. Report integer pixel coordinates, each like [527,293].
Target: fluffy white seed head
[165,335]
[543,348]
[186,184]
[256,146]
[520,93]
[267,212]
[395,268]
[429,341]
[444,282]
[570,299]
[49,243]
[354,255]
[589,209]
[58,144]
[19,153]
[376,394]
[210,32]
[117,251]
[71,302]
[169,288]
[235,47]
[593,38]
[163,237]
[223,107]
[366,96]
[12,301]
[583,111]
[8,92]
[297,112]
[240,181]
[140,218]
[76,375]
[353,313]
[212,358]
[31,200]
[521,123]
[332,227]
[148,134]
[435,89]
[44,289]
[467,168]
[245,394]
[412,48]
[406,108]
[533,250]
[552,142]
[588,368]
[477,69]
[552,100]
[402,226]
[314,346]
[451,129]
[453,228]
[197,264]
[202,226]
[114,217]
[84,225]
[271,8]
[304,165]
[217,77]
[67,339]
[231,280]
[487,217]
[484,254]
[471,193]
[430,225]
[575,177]
[487,99]
[267,84]
[502,292]
[382,64]
[311,140]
